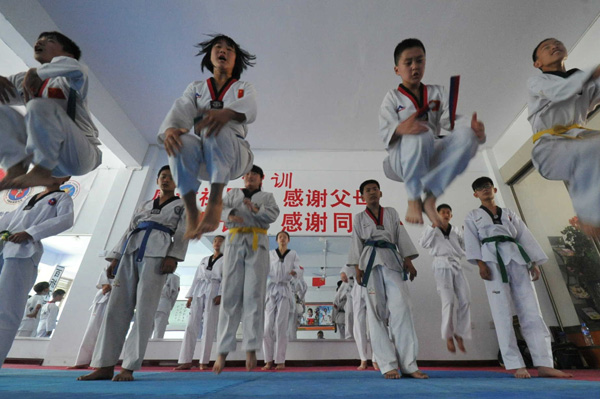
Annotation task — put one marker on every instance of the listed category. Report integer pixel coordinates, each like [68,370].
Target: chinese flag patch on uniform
[240,93]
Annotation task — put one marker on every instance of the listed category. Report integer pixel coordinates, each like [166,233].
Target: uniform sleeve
[228,205]
[116,252]
[527,241]
[66,67]
[405,245]
[461,237]
[556,90]
[52,317]
[182,113]
[56,225]
[6,219]
[356,246]
[426,240]
[268,211]
[472,244]
[195,282]
[296,265]
[219,273]
[17,81]
[388,119]
[179,245]
[102,279]
[246,104]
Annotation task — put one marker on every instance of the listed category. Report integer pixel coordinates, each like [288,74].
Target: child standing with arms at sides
[56,134]
[49,315]
[382,254]
[284,267]
[248,212]
[559,103]
[31,317]
[508,255]
[410,121]
[446,245]
[219,110]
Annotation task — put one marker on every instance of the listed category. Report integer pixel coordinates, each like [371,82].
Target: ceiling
[322,67]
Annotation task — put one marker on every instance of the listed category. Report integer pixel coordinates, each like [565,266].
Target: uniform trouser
[47,137]
[202,324]
[521,292]
[277,311]
[359,310]
[16,279]
[42,332]
[161,321]
[217,159]
[399,345]
[451,282]
[292,324]
[84,356]
[429,165]
[243,297]
[342,330]
[136,286]
[577,163]
[349,316]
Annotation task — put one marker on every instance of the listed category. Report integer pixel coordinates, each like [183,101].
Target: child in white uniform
[247,213]
[56,134]
[381,253]
[47,213]
[203,298]
[284,267]
[31,316]
[559,104]
[410,121]
[49,315]
[218,110]
[508,255]
[446,245]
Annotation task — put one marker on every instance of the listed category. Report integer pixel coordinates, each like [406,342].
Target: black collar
[561,73]
[212,261]
[418,100]
[377,219]
[446,232]
[496,219]
[248,193]
[37,198]
[158,205]
[282,256]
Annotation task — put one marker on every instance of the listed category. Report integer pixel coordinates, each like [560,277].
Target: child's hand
[535,273]
[172,141]
[188,304]
[478,128]
[7,90]
[412,272]
[411,125]
[110,270]
[484,271]
[168,266]
[217,300]
[214,120]
[20,237]
[31,84]
[106,288]
[235,219]
[359,275]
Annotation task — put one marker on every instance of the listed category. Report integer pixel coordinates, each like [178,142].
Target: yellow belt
[247,230]
[558,130]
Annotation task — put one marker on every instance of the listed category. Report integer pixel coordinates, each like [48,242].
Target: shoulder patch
[52,201]
[178,210]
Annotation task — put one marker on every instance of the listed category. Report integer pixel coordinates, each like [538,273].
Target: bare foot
[392,375]
[184,366]
[414,213]
[78,367]
[210,220]
[549,372]
[38,176]
[250,360]
[522,373]
[280,366]
[419,375]
[124,375]
[219,364]
[429,209]
[203,367]
[450,345]
[363,365]
[269,366]
[101,373]
[460,343]
[375,366]
[590,230]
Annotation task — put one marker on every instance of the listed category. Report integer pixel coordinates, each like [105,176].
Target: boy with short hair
[382,254]
[140,262]
[446,245]
[411,118]
[247,213]
[559,103]
[497,240]
[49,315]
[56,134]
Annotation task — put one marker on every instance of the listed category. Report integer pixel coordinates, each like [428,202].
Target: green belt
[380,244]
[499,239]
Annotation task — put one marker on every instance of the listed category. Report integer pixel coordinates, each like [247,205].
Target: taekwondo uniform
[507,246]
[280,299]
[245,269]
[447,248]
[218,158]
[387,297]
[559,103]
[356,318]
[48,317]
[426,162]
[340,302]
[204,314]
[168,297]
[41,217]
[57,131]
[155,232]
[299,288]
[29,325]
[98,308]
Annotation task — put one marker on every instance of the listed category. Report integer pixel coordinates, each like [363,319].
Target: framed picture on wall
[317,316]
